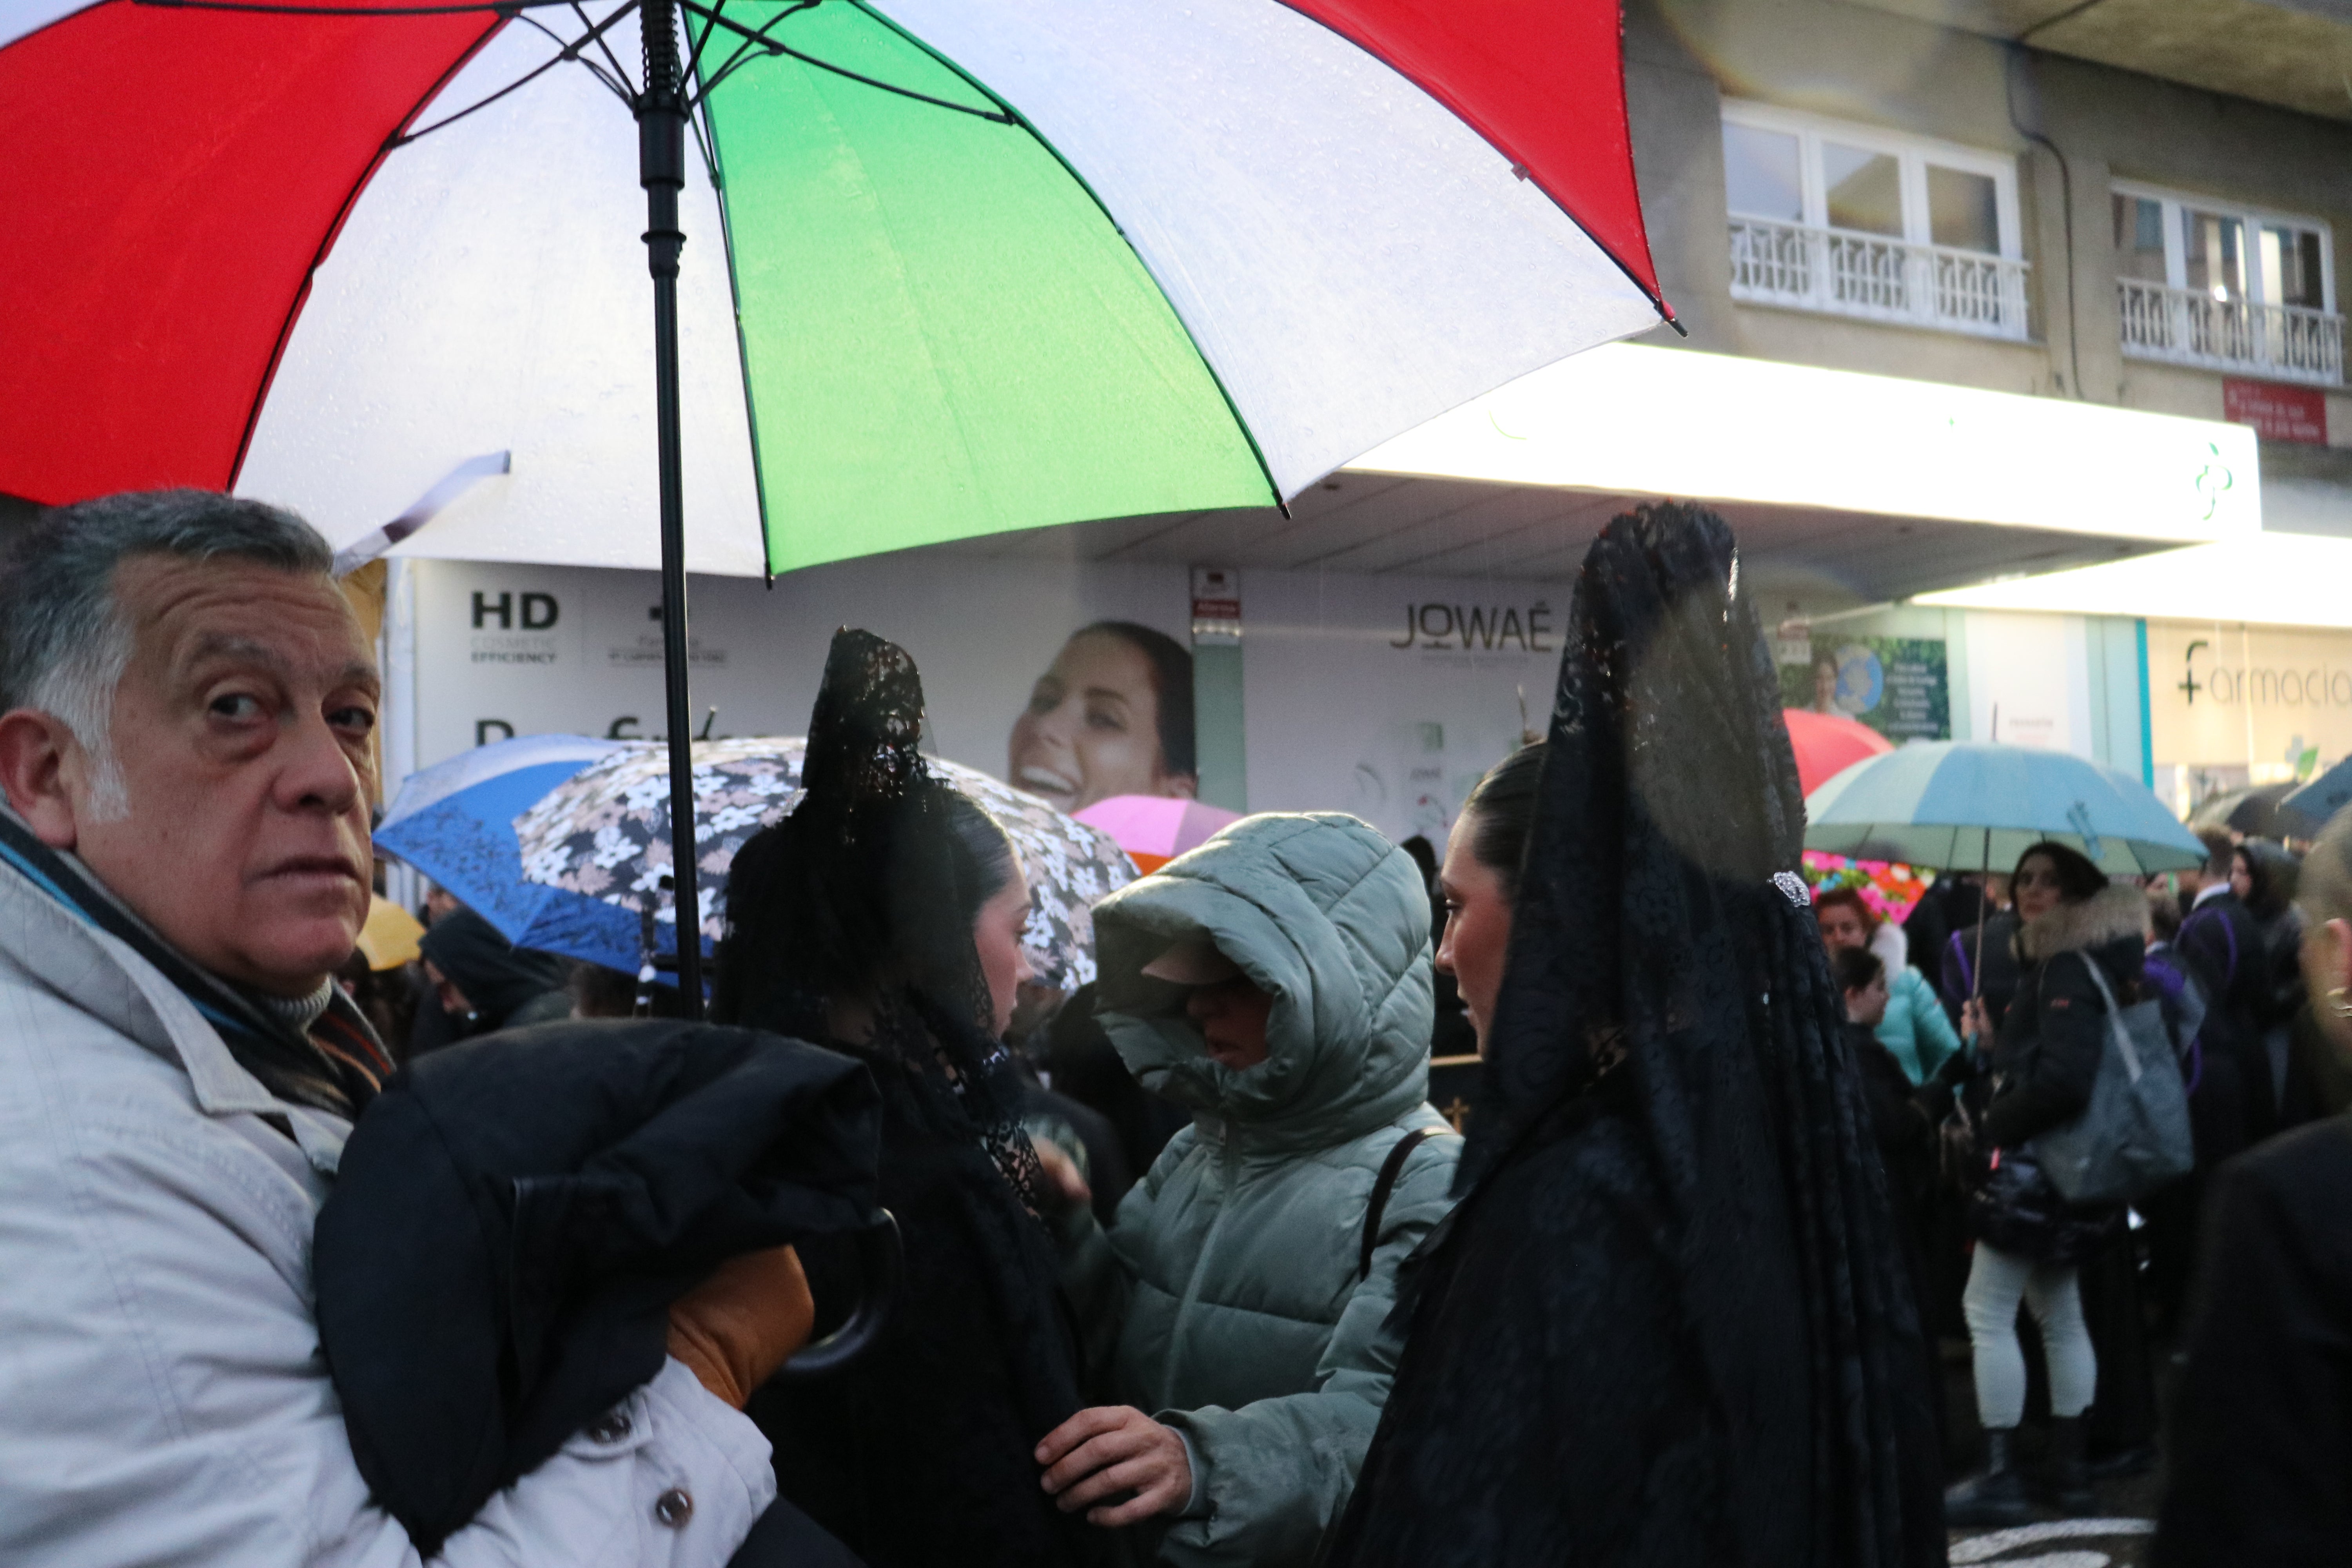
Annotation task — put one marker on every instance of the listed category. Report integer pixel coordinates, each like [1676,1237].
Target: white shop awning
[1631,420]
[2265,579]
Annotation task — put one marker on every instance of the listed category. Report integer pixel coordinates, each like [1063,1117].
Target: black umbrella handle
[881,1268]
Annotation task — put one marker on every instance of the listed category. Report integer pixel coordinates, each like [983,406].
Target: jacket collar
[48,945]
[2112,912]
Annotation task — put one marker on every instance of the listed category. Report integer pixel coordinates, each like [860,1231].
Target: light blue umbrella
[1961,803]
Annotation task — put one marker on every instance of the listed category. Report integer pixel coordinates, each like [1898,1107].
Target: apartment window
[1853,220]
[2209,283]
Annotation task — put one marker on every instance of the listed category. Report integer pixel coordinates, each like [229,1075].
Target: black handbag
[2017,1209]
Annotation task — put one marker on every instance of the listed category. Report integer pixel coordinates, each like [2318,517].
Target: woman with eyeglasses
[2043,1060]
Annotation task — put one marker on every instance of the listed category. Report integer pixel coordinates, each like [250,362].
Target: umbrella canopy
[2322,798]
[2259,813]
[989,264]
[967,265]
[602,836]
[1828,743]
[1155,829]
[455,823]
[1963,803]
[389,938]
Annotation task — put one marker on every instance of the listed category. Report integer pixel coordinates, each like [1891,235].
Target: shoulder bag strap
[1391,1169]
[2114,1016]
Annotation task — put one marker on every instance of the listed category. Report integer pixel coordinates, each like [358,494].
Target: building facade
[2135,204]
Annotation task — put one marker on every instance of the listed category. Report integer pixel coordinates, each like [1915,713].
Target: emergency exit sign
[2278,412]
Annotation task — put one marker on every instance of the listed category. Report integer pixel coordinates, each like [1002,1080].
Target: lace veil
[861,892]
[1670,1321]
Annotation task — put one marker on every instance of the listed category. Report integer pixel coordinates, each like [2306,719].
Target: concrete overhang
[2295,54]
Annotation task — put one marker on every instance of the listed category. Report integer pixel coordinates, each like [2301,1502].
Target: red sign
[2278,412]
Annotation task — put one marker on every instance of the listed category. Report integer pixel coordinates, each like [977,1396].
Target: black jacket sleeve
[2055,1078]
[2262,1432]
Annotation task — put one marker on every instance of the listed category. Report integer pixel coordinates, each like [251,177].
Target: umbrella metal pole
[661,170]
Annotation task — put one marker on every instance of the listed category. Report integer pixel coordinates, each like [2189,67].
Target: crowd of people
[2034,966]
[1187,1269]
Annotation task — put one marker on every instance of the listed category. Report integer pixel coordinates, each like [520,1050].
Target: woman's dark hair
[1855,968]
[1502,807]
[983,855]
[1849,897]
[2078,878]
[1171,683]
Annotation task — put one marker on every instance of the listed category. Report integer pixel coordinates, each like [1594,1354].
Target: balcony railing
[2184,326]
[1876,279]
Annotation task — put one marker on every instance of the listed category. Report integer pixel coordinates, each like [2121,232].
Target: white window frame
[1914,154]
[2176,243]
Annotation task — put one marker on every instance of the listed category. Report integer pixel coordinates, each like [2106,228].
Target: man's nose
[317,773]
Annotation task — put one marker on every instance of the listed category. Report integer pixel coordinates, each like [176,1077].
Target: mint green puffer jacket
[1227,1295]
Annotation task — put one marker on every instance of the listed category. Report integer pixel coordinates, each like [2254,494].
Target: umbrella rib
[619,82]
[759,40]
[520,82]
[762,41]
[499,7]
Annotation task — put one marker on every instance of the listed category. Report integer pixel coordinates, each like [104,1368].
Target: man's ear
[1180,786]
[2338,937]
[34,747]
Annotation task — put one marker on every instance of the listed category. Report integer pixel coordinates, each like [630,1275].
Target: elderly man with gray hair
[186,716]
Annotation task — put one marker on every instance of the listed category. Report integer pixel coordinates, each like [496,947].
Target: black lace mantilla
[1669,1323]
[855,894]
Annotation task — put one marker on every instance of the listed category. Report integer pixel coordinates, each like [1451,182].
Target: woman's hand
[1976,1024]
[1068,1185]
[1116,1449]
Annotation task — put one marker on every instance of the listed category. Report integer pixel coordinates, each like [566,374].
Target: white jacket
[163,1398]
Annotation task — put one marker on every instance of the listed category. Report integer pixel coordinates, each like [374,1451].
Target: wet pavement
[2117,1536]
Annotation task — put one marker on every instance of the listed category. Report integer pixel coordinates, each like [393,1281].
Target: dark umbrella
[2322,798]
[2257,813]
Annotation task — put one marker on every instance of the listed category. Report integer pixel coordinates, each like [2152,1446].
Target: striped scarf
[336,1066]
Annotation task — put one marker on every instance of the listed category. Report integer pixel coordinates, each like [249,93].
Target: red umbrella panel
[1827,745]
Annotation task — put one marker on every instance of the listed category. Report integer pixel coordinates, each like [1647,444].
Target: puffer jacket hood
[1328,916]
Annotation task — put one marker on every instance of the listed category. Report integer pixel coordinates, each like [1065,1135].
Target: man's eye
[359,718]
[1104,719]
[237,705]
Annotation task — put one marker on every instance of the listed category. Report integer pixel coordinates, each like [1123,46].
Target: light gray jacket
[162,1395]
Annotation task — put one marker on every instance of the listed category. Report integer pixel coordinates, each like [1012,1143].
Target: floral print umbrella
[605,833]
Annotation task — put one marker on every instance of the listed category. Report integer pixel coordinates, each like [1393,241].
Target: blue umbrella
[455,822]
[1956,803]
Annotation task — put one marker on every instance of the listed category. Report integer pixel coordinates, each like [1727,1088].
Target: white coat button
[674,1507]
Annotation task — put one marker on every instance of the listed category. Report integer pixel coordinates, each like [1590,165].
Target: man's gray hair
[64,643]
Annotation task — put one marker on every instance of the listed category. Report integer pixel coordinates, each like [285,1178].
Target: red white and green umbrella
[951,266]
[1222,247]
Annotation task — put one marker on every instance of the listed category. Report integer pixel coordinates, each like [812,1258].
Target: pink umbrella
[1154,829]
